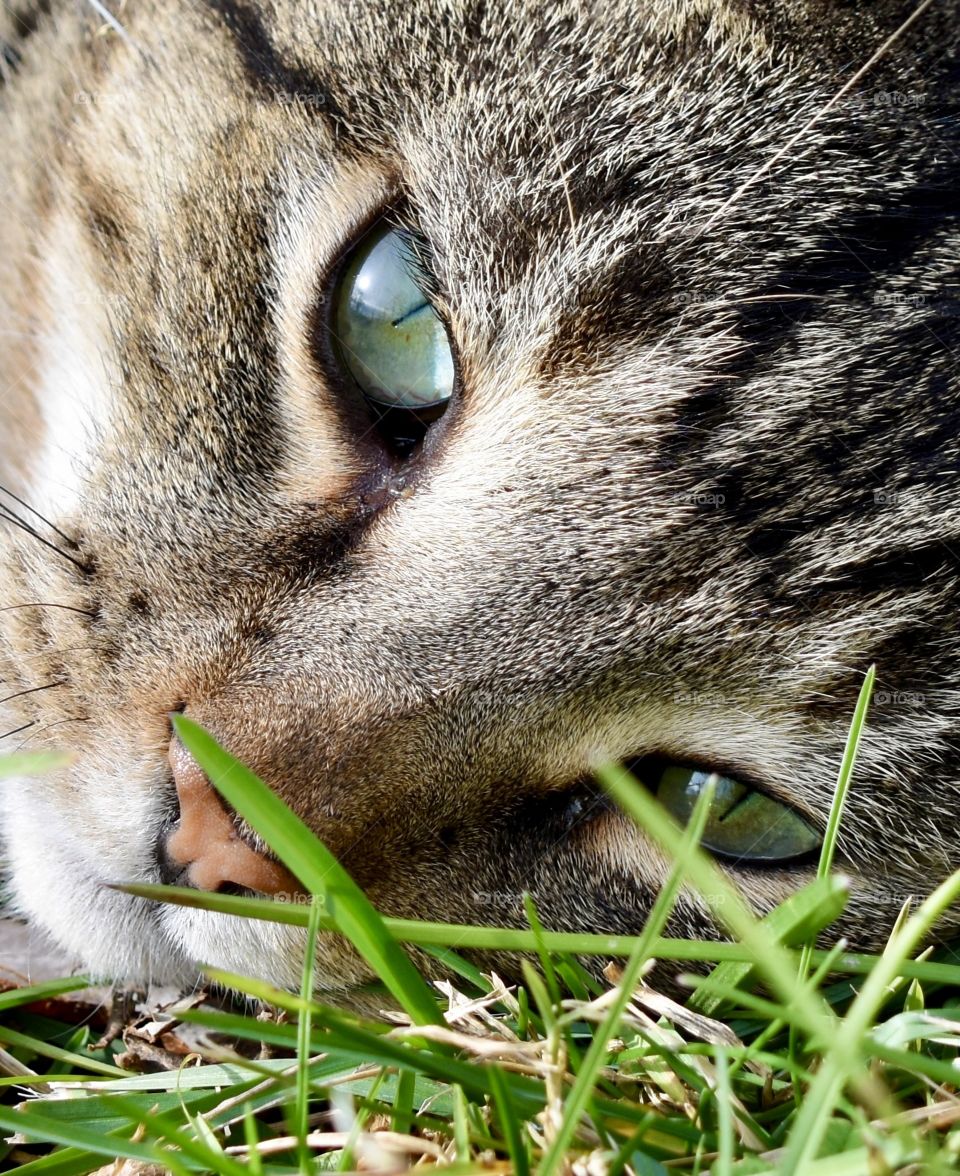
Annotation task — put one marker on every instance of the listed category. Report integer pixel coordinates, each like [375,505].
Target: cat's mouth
[207,848]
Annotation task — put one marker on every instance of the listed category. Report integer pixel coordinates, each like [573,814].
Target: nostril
[204,848]
[170,872]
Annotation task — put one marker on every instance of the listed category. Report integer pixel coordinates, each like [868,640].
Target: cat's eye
[387,335]
[742,823]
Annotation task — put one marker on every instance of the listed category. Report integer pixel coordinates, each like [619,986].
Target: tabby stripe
[268,73]
[26,21]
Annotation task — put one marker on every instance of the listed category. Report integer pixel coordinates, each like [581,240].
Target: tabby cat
[436,399]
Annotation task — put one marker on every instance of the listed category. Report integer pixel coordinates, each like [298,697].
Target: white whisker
[821,113]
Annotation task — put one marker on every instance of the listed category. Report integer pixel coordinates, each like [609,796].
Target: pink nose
[206,841]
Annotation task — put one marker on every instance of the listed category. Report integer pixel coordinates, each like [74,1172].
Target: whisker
[17,730]
[31,690]
[26,505]
[48,727]
[7,516]
[787,147]
[47,604]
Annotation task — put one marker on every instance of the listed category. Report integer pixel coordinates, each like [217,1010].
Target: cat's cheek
[75,380]
[111,936]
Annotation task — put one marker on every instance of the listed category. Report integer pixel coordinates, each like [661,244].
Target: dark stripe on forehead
[854,254]
[268,73]
[25,21]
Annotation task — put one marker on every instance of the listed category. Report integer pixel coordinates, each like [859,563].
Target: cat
[435,400]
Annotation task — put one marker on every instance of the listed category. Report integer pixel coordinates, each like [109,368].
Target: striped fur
[701,472]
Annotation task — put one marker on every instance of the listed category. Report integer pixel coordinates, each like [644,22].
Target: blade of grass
[251,1138]
[844,1049]
[721,896]
[68,1161]
[546,963]
[507,1115]
[585,1083]
[46,1050]
[370,1044]
[403,1101]
[198,1147]
[304,1027]
[723,1165]
[844,776]
[308,858]
[35,1125]
[36,992]
[817,905]
[426,934]
[461,1125]
[828,848]
[35,764]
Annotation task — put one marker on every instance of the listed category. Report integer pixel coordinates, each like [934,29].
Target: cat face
[683,462]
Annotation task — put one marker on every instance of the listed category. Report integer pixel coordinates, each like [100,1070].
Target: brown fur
[700,472]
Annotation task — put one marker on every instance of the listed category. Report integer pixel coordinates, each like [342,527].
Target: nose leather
[206,843]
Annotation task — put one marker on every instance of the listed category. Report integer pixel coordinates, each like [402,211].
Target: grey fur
[701,473]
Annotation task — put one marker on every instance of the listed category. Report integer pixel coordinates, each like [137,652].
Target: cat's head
[677,313]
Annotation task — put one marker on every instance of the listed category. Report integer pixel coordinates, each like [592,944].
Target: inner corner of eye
[387,335]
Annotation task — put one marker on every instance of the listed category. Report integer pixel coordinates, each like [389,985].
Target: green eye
[386,331]
[741,823]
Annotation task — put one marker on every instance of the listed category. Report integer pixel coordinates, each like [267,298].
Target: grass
[785,1059]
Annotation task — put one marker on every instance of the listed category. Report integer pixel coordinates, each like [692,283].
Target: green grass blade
[804,913]
[403,1101]
[47,1050]
[723,1166]
[509,1122]
[845,1047]
[585,1084]
[35,764]
[251,1138]
[309,859]
[721,896]
[67,1161]
[461,1125]
[35,1125]
[304,1028]
[426,934]
[45,991]
[845,774]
